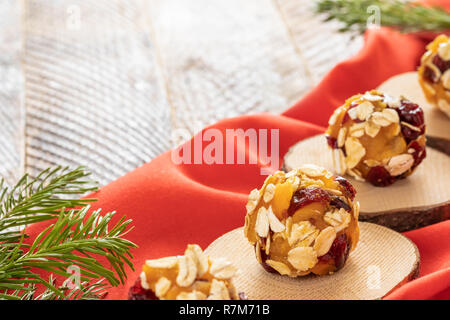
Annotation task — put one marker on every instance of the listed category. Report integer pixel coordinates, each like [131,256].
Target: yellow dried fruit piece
[282,199]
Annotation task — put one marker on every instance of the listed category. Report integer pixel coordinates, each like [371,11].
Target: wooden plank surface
[11,89]
[111,84]
[93,95]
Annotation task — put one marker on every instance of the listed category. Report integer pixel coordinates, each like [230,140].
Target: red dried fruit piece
[380,177]
[413,114]
[338,203]
[332,142]
[349,190]
[429,75]
[303,197]
[137,292]
[338,252]
[419,153]
[440,63]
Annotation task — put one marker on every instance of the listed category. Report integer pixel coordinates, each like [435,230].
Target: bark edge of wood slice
[407,84]
[383,260]
[421,199]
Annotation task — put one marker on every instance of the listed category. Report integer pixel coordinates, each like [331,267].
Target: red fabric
[173,205]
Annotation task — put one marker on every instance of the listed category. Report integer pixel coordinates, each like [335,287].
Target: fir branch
[77,238]
[406,17]
[41,198]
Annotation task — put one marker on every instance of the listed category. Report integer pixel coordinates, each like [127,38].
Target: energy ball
[434,73]
[304,221]
[377,138]
[193,276]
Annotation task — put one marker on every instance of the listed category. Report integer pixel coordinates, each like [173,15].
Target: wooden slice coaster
[421,199]
[438,124]
[382,261]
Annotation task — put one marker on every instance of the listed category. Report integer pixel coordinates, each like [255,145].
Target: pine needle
[401,15]
[77,239]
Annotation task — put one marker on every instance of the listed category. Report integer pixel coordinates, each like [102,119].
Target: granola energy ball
[434,73]
[377,138]
[303,221]
[192,276]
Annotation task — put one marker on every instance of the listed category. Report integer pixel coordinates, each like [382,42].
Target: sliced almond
[355,174]
[364,110]
[444,51]
[194,295]
[302,234]
[162,286]
[391,115]
[275,224]
[218,291]
[339,161]
[253,200]
[371,129]
[312,170]
[294,181]
[334,116]
[187,271]
[444,106]
[372,97]
[357,129]
[199,257]
[269,192]
[339,219]
[258,252]
[280,267]
[302,258]
[414,128]
[355,152]
[222,269]
[262,223]
[324,241]
[341,137]
[268,242]
[356,207]
[429,88]
[446,79]
[144,282]
[353,113]
[379,119]
[163,263]
[400,164]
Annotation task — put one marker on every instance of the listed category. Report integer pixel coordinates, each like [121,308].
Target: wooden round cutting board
[438,123]
[383,260]
[421,199]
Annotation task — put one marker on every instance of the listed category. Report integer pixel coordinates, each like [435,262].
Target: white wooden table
[111,84]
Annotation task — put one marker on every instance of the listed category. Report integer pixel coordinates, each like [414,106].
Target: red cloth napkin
[173,205]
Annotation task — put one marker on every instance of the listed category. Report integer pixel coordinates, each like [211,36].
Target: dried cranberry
[340,204]
[419,153]
[303,197]
[349,190]
[440,63]
[332,142]
[429,75]
[380,177]
[137,292]
[413,114]
[338,252]
[264,257]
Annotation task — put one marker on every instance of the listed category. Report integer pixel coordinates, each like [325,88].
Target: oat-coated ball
[192,276]
[304,221]
[434,73]
[377,138]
